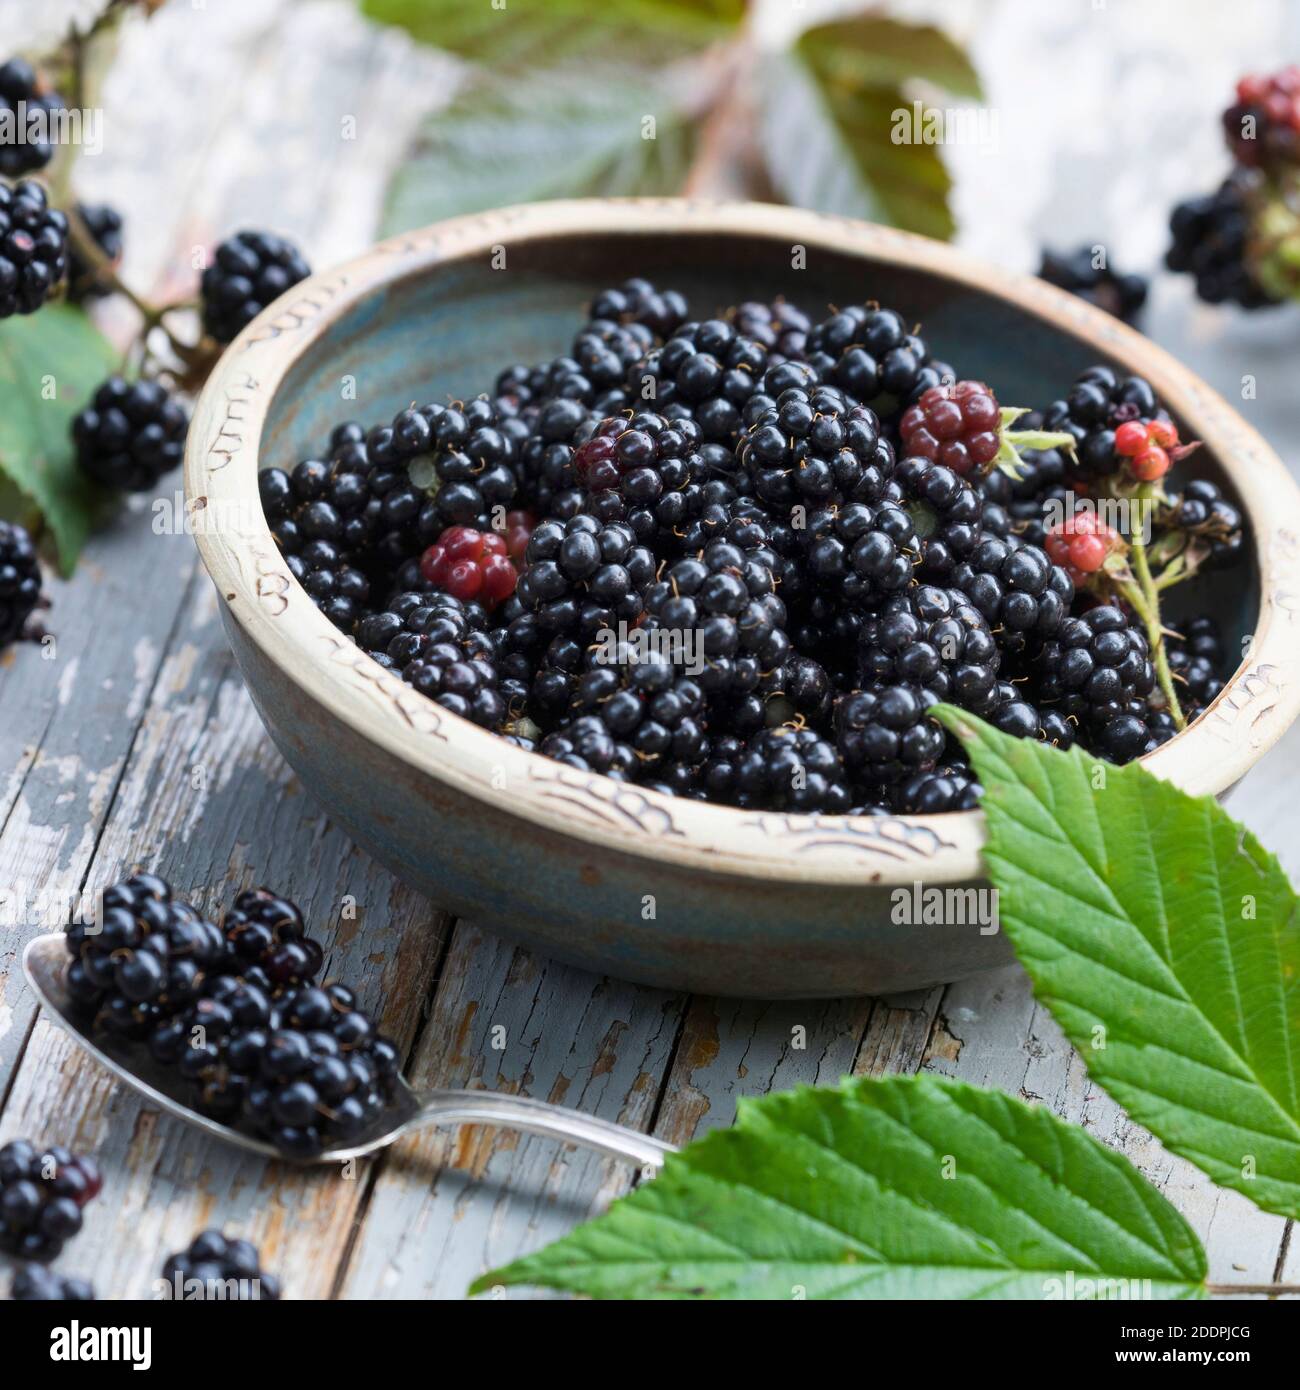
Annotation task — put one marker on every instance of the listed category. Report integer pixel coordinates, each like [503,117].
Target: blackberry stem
[1149,611]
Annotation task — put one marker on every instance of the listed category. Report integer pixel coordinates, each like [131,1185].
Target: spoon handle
[539,1117]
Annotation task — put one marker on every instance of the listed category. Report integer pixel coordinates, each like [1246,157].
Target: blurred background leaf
[542,33]
[552,134]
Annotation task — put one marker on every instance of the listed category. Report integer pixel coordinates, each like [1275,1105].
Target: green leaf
[1164,939]
[549,135]
[50,362]
[541,33]
[833,108]
[907,1187]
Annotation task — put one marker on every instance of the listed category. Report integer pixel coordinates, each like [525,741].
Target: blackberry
[105,227]
[581,576]
[646,471]
[1022,596]
[249,270]
[587,744]
[723,608]
[129,436]
[1196,661]
[779,327]
[214,1266]
[1077,271]
[471,565]
[1034,497]
[42,1193]
[463,677]
[945,788]
[1262,126]
[26,108]
[782,769]
[860,552]
[884,734]
[650,706]
[705,372]
[1094,667]
[869,352]
[547,481]
[946,512]
[814,447]
[411,625]
[265,932]
[930,637]
[1202,511]
[1008,710]
[20,581]
[957,425]
[605,350]
[35,1284]
[1210,241]
[33,248]
[637,301]
[1099,404]
[146,956]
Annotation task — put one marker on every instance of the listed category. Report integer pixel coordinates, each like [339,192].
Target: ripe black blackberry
[1211,238]
[868,352]
[1010,710]
[605,350]
[945,788]
[214,1266]
[947,513]
[547,481]
[786,768]
[411,624]
[581,576]
[885,734]
[722,609]
[26,106]
[930,637]
[1196,661]
[1034,497]
[130,435]
[779,327]
[1098,404]
[705,372]
[20,581]
[637,301]
[648,704]
[145,956]
[35,1284]
[104,224]
[815,447]
[1094,667]
[248,271]
[861,552]
[1021,594]
[587,744]
[464,677]
[1202,511]
[265,932]
[1076,271]
[42,1193]
[33,248]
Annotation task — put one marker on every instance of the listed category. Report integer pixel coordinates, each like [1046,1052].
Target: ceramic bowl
[633,883]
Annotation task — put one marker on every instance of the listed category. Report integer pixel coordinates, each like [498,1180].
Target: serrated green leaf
[551,135]
[543,33]
[906,1187]
[1164,939]
[50,362]
[876,51]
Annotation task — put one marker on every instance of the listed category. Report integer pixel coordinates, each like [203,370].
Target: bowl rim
[275,613]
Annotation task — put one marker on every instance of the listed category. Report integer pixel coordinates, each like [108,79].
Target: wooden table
[136,744]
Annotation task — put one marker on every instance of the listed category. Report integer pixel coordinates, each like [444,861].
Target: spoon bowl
[45,961]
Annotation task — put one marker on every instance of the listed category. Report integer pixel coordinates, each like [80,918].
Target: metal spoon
[46,958]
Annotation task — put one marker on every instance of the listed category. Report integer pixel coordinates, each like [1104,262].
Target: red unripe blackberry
[470,564]
[1263,125]
[956,425]
[1081,545]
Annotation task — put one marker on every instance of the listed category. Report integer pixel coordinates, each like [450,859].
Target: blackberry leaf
[1164,939]
[904,1187]
[58,345]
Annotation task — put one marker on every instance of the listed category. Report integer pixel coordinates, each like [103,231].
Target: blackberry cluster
[236,1010]
[1202,511]
[1119,294]
[1262,126]
[42,1193]
[21,91]
[105,227]
[738,558]
[36,1284]
[129,436]
[1210,240]
[1196,659]
[249,270]
[215,1266]
[33,248]
[20,581]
